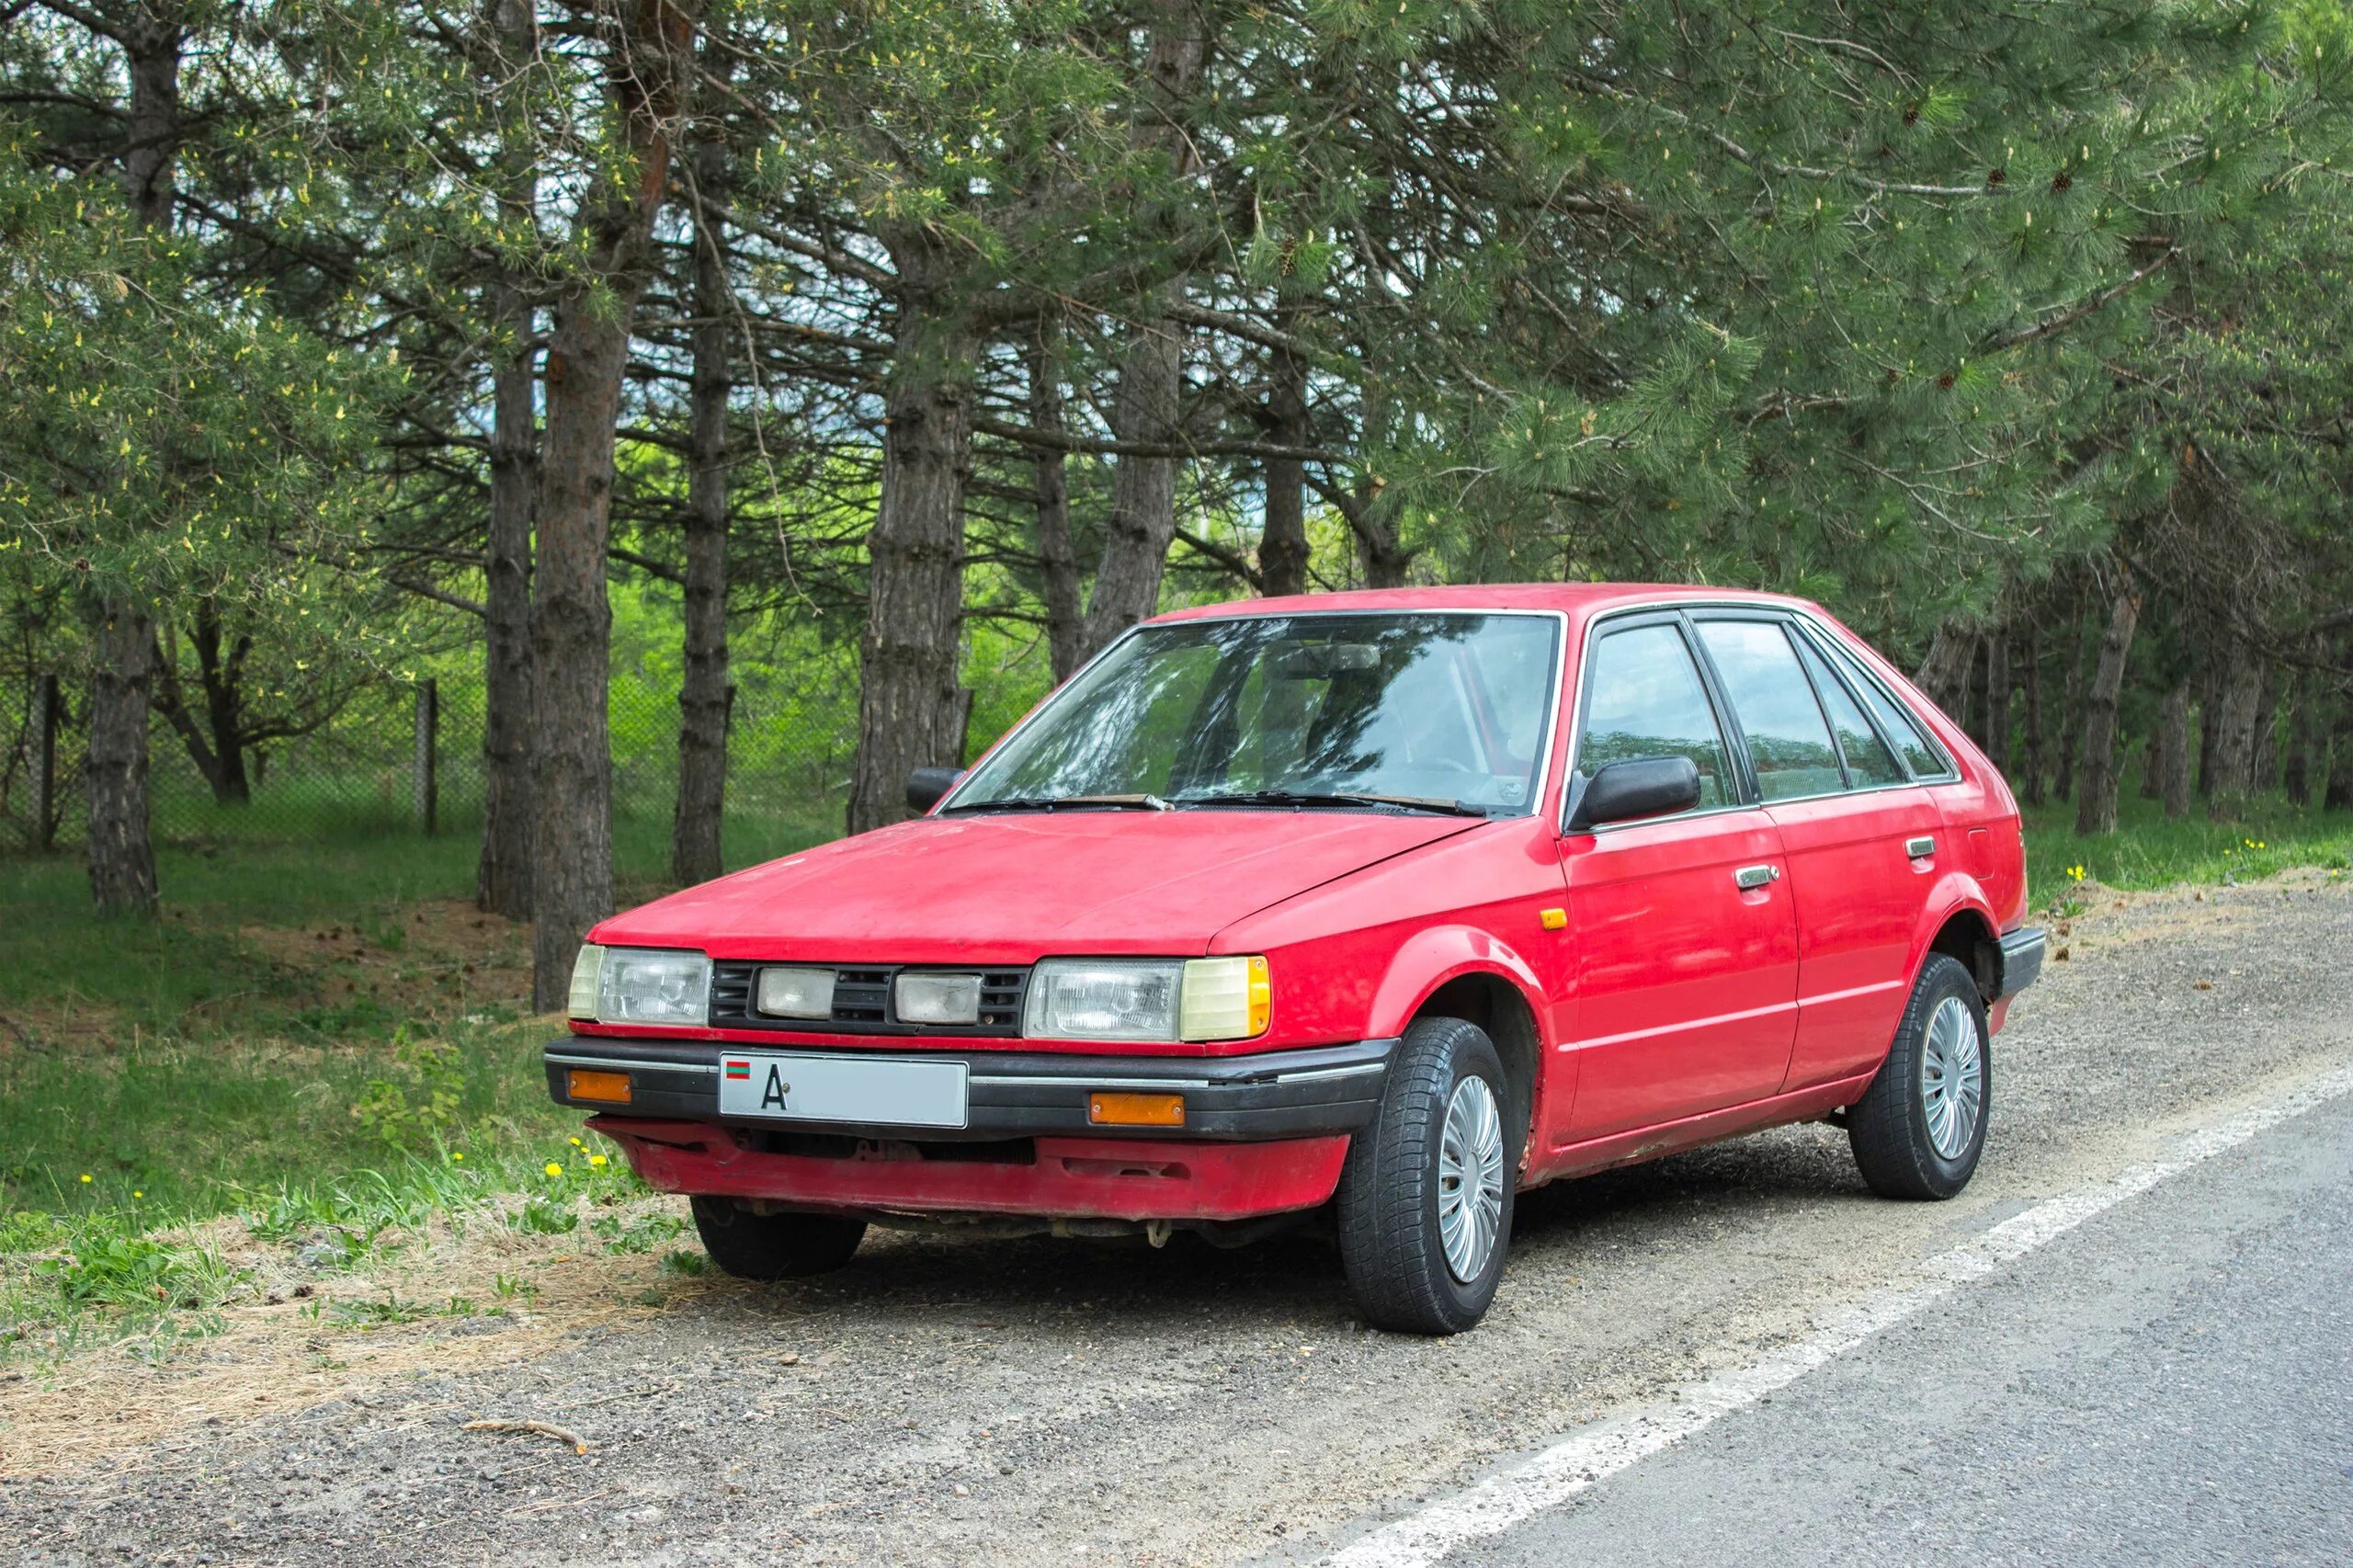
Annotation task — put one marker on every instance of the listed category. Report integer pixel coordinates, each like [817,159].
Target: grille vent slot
[862,1003]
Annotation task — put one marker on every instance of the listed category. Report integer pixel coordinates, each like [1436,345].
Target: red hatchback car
[1378,906]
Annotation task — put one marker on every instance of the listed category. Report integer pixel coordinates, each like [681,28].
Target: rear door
[1859,838]
[1685,979]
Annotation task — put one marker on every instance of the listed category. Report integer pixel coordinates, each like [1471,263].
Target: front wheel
[1425,1196]
[774,1246]
[1919,1129]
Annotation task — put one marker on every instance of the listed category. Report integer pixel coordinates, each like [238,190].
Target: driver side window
[1646,700]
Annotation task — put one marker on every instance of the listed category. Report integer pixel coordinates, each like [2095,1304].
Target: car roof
[1577,600]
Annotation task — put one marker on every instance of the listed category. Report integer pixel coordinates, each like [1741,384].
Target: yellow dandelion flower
[457,1154]
[597,1161]
[554,1169]
[86,1176]
[136,1193]
[578,1144]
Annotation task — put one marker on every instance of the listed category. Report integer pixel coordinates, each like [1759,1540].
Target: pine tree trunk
[702,696]
[1065,613]
[2173,748]
[503,875]
[1147,408]
[2096,804]
[1282,542]
[2336,795]
[2038,760]
[2303,738]
[2071,716]
[2153,764]
[2263,763]
[122,857]
[2210,727]
[2238,697]
[1944,671]
[1998,696]
[571,618]
[910,713]
[122,853]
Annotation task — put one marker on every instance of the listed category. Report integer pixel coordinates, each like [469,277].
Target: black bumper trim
[2018,960]
[1270,1095]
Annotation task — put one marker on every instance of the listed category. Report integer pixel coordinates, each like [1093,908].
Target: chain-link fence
[409,755]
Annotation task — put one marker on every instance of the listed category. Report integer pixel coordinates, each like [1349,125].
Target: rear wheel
[774,1246]
[1426,1197]
[1919,1129]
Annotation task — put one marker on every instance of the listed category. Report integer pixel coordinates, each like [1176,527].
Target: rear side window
[1788,743]
[1911,737]
[1869,761]
[1646,700]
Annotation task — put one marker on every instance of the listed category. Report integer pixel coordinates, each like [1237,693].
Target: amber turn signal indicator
[590,1084]
[1553,919]
[1105,1109]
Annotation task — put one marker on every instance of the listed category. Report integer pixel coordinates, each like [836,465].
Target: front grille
[862,1002]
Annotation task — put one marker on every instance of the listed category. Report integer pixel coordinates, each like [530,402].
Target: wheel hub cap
[1952,1077]
[1470,1180]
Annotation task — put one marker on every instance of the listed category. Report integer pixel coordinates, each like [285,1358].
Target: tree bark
[1282,541]
[910,714]
[2237,702]
[2173,750]
[2262,763]
[2071,706]
[1065,613]
[503,875]
[2037,747]
[1998,696]
[122,852]
[702,697]
[122,857]
[217,747]
[1944,669]
[2096,804]
[1148,404]
[571,620]
[2210,727]
[2303,736]
[2336,795]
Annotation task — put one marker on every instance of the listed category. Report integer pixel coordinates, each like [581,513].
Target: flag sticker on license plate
[882,1091]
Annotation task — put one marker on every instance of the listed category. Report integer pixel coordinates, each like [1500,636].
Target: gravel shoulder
[952,1401]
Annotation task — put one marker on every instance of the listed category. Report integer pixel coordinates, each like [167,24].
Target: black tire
[1888,1128]
[774,1246]
[1390,1241]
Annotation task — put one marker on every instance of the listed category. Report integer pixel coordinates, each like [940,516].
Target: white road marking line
[1591,1455]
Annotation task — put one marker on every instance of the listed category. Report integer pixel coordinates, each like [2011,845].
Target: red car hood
[1014,888]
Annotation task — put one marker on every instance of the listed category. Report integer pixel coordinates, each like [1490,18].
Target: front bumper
[1270,1096]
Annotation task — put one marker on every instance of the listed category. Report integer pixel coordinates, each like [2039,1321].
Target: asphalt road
[2168,1380]
[2169,1383]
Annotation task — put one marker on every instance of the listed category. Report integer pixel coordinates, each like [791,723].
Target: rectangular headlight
[1103,999]
[1148,999]
[795,993]
[924,998]
[648,985]
[582,1003]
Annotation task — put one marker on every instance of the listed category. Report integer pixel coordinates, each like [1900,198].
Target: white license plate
[876,1091]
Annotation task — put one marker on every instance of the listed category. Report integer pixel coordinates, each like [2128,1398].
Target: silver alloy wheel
[1469,1178]
[1952,1077]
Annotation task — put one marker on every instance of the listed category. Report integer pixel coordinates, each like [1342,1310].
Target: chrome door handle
[1750,877]
[1919,847]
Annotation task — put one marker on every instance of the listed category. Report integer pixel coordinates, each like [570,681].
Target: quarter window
[1788,743]
[1646,700]
[1869,762]
[1911,737]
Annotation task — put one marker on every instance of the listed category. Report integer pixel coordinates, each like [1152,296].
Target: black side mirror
[1642,786]
[927,785]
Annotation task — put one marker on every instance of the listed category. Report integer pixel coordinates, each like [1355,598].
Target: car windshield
[1401,711]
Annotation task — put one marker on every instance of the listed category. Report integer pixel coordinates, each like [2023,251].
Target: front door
[1685,937]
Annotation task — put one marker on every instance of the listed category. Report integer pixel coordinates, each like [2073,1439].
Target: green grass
[2148,851]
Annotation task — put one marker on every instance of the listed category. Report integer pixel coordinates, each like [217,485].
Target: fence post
[428,772]
[44,739]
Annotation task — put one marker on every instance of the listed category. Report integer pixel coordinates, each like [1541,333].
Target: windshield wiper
[1339,798]
[1144,802]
